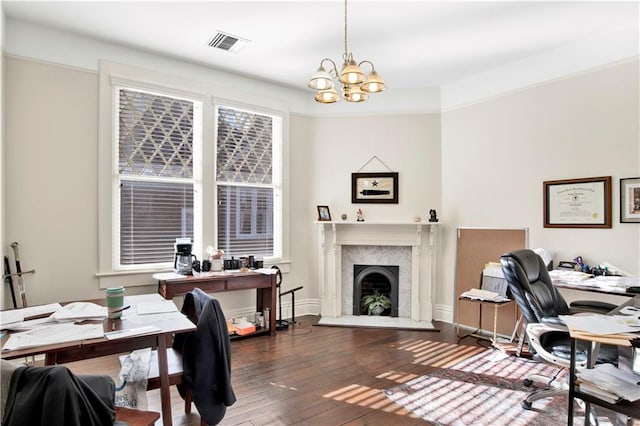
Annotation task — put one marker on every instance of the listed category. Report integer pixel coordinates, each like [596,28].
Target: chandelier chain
[345,31]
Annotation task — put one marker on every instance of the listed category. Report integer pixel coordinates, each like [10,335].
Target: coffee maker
[182,261]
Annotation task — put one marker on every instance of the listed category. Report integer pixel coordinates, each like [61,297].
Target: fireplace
[371,279]
[410,246]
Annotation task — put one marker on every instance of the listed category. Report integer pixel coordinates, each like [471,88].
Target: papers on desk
[162,306]
[52,334]
[577,280]
[610,383]
[80,311]
[568,276]
[597,324]
[11,318]
[267,271]
[138,331]
[489,296]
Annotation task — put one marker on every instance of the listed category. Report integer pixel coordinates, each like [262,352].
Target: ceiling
[413,44]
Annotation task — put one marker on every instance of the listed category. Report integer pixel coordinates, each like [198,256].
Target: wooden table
[61,353]
[170,285]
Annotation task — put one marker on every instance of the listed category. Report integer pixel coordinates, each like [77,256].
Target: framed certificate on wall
[577,203]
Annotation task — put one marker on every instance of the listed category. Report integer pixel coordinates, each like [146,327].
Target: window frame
[278,142]
[195,180]
[190,87]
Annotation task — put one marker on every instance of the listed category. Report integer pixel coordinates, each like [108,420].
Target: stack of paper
[80,311]
[568,276]
[478,294]
[610,383]
[14,318]
[54,333]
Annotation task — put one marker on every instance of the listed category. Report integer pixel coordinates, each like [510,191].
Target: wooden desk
[170,285]
[83,349]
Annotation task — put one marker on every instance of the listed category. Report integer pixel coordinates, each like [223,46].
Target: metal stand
[280,323]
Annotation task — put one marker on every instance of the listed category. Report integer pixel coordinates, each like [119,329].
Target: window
[155,176]
[176,160]
[247,182]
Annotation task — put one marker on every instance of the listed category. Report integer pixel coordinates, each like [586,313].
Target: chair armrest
[554,321]
[594,306]
[535,332]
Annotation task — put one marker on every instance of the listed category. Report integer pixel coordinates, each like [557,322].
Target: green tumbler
[115,301]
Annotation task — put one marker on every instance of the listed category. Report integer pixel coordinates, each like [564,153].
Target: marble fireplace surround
[410,245]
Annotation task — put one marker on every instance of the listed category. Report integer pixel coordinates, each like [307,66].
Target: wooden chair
[135,417]
[174,361]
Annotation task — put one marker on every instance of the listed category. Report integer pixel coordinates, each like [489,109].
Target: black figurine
[433,217]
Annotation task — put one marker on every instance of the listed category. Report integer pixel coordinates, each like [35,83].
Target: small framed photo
[324,214]
[374,188]
[630,200]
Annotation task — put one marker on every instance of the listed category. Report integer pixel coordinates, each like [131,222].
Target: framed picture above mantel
[378,187]
[577,203]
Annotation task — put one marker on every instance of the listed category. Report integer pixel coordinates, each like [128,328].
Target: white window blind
[155,175]
[245,183]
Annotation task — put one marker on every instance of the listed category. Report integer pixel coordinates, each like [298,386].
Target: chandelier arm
[333,64]
[368,62]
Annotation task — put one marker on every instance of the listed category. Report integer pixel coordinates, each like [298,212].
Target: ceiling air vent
[228,42]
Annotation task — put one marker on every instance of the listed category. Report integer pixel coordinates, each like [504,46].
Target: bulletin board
[474,248]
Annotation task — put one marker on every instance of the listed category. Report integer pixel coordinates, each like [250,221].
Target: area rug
[483,390]
[372,321]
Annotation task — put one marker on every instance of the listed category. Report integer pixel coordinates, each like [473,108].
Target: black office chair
[280,323]
[541,304]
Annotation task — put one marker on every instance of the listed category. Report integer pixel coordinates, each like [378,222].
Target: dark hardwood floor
[314,375]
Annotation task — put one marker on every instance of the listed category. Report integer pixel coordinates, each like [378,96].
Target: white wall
[496,155]
[325,151]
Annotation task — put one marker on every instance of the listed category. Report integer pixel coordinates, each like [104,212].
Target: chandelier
[355,86]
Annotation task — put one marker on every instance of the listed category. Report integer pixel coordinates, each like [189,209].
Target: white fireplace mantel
[420,236]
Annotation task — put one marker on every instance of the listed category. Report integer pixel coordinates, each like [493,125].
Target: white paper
[162,306]
[612,379]
[267,271]
[602,324]
[10,317]
[148,319]
[120,334]
[33,311]
[30,324]
[13,317]
[478,294]
[80,310]
[51,334]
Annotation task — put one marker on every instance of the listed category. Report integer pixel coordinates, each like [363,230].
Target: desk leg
[572,383]
[165,391]
[458,319]
[495,324]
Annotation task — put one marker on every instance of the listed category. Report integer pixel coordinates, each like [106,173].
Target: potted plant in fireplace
[376,303]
